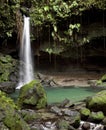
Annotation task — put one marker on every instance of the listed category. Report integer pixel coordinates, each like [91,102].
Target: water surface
[59,94]
[74,94]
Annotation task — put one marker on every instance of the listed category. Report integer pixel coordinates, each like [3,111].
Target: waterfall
[26,73]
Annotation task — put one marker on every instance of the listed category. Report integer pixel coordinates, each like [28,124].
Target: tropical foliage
[59,20]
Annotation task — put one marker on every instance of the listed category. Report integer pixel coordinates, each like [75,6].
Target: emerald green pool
[73,94]
[59,94]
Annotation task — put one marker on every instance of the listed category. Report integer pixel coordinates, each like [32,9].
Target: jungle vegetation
[54,21]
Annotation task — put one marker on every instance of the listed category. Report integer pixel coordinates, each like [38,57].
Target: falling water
[26,65]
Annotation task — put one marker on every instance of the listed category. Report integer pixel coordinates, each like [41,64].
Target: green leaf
[9,34]
[55,28]
[49,50]
[46,8]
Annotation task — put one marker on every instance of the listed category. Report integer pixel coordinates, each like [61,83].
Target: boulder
[85,112]
[97,102]
[66,103]
[32,95]
[101,81]
[7,87]
[63,124]
[86,126]
[56,110]
[96,117]
[9,117]
[30,115]
[74,118]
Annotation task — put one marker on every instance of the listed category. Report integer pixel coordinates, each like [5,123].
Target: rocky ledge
[69,80]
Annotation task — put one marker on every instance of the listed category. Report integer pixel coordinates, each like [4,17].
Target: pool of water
[59,94]
[73,94]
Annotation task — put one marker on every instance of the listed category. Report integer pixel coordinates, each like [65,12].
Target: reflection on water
[59,94]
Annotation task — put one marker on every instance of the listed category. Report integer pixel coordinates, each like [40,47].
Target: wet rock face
[8,87]
[32,95]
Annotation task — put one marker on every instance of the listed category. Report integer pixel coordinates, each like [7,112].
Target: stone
[101,81]
[66,112]
[85,112]
[74,118]
[56,110]
[30,115]
[97,102]
[96,116]
[63,124]
[32,95]
[86,126]
[64,103]
[33,128]
[104,121]
[7,87]
[10,119]
[53,84]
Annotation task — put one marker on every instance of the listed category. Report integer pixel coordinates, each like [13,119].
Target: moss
[103,78]
[30,115]
[24,91]
[85,112]
[6,100]
[75,118]
[97,102]
[76,122]
[15,122]
[5,76]
[63,125]
[42,102]
[99,82]
[102,81]
[32,94]
[97,116]
[11,118]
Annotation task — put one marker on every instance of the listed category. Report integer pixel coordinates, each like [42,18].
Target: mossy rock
[97,102]
[30,115]
[32,95]
[63,125]
[85,112]
[96,116]
[101,81]
[75,119]
[9,116]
